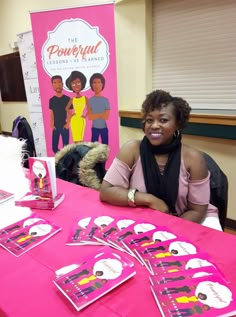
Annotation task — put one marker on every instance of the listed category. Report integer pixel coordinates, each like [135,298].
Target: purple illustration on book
[96,224]
[23,223]
[77,231]
[134,229]
[179,263]
[21,241]
[209,296]
[159,234]
[106,233]
[99,273]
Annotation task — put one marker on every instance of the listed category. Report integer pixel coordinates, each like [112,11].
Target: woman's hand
[151,201]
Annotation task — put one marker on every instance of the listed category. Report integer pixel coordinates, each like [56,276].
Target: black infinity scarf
[164,186]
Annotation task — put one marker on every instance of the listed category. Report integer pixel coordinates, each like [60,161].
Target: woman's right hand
[151,201]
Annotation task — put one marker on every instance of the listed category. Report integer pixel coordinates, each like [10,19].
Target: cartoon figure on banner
[59,121]
[76,82]
[40,181]
[99,109]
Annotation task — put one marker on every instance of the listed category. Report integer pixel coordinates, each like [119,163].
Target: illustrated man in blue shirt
[99,109]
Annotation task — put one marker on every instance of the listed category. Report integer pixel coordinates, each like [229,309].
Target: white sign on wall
[28,63]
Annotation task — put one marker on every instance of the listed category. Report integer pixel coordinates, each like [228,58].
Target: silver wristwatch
[131,194]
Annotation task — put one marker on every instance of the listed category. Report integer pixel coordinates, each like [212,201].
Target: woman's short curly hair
[158,99]
[76,75]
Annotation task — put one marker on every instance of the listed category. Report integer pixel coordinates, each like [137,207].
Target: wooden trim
[230,224]
[219,119]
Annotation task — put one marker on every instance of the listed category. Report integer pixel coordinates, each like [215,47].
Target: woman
[160,172]
[76,82]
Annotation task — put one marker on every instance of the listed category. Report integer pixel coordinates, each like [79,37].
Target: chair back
[218,188]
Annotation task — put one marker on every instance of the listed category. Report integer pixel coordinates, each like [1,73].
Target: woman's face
[76,85]
[160,125]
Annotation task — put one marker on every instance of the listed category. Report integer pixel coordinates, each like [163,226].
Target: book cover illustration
[172,248]
[132,230]
[106,233]
[5,196]
[159,234]
[23,240]
[42,174]
[180,263]
[208,296]
[77,231]
[20,224]
[102,271]
[96,224]
[183,275]
[40,202]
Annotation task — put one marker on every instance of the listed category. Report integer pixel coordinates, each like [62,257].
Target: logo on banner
[75,45]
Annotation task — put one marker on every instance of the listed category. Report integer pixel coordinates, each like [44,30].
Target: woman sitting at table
[159,171]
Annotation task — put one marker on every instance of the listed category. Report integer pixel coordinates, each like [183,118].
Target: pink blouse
[194,191]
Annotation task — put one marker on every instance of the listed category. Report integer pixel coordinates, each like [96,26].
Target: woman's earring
[177,134]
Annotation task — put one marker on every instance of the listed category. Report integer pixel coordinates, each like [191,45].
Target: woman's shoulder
[193,158]
[129,152]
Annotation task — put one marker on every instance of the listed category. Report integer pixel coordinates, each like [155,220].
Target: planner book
[77,231]
[22,240]
[99,273]
[179,263]
[208,296]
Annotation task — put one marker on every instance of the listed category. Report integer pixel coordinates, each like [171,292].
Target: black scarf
[164,186]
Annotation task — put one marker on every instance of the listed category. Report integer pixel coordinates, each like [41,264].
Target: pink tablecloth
[26,287]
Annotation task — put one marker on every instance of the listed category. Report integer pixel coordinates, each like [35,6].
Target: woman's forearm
[194,216]
[119,196]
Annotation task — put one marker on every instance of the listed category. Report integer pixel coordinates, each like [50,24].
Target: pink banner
[76,63]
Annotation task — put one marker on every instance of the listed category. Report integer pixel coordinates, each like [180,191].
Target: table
[26,287]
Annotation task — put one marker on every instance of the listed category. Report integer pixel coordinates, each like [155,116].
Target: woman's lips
[155,135]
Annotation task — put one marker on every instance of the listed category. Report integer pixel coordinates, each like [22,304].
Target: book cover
[20,224]
[101,272]
[42,175]
[5,196]
[96,224]
[183,275]
[40,202]
[208,296]
[23,240]
[159,234]
[132,230]
[180,263]
[106,233]
[172,248]
[77,231]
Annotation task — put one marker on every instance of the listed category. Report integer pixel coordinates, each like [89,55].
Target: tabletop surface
[27,288]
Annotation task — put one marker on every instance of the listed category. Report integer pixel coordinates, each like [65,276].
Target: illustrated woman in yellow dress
[76,82]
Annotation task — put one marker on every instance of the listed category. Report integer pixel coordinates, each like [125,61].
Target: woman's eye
[163,120]
[149,121]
